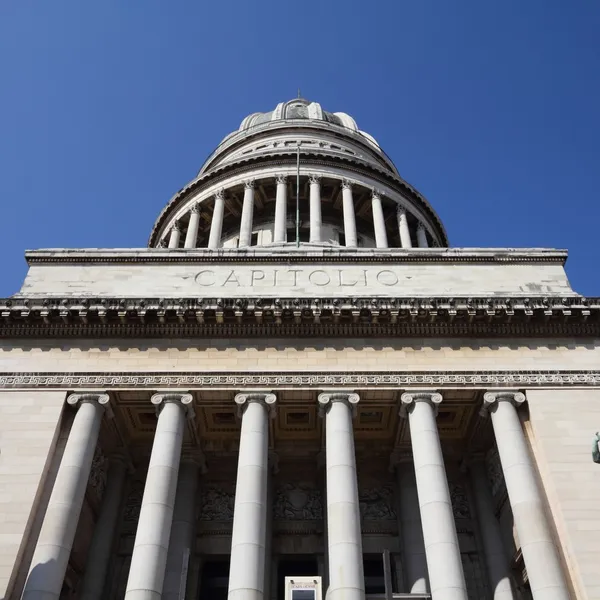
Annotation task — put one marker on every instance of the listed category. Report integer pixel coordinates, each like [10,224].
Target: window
[341,239]
[254,239]
[304,235]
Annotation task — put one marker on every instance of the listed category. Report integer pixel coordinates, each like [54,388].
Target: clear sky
[491,109]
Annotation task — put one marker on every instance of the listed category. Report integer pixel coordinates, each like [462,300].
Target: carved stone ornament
[243,399]
[195,208]
[249,184]
[460,502]
[220,193]
[217,504]
[377,504]
[314,178]
[346,184]
[409,399]
[326,399]
[298,503]
[98,473]
[281,178]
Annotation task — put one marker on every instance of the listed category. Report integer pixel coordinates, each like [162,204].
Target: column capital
[176,226]
[420,226]
[375,193]
[220,193]
[184,399]
[281,178]
[101,398]
[326,399]
[162,243]
[492,397]
[401,211]
[267,398]
[249,184]
[315,178]
[346,184]
[195,208]
[411,397]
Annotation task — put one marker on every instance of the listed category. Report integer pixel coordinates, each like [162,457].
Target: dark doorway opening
[214,580]
[299,566]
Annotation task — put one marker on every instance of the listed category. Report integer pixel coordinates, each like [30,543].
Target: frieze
[298,503]
[217,504]
[357,380]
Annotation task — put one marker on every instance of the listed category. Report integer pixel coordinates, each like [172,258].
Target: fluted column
[280,231]
[247,215]
[192,230]
[405,240]
[444,565]
[181,541]
[422,236]
[175,235]
[381,240]
[53,548]
[248,538]
[346,578]
[104,532]
[496,559]
[315,208]
[216,225]
[149,558]
[539,552]
[349,216]
[413,547]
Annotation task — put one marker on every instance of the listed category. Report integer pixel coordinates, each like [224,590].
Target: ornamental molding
[315,380]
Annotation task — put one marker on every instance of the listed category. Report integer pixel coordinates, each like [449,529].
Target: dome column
[192,230]
[381,240]
[216,225]
[405,240]
[315,208]
[422,236]
[247,214]
[279,234]
[349,217]
[175,235]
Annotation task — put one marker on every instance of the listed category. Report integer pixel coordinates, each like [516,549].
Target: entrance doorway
[296,566]
[214,580]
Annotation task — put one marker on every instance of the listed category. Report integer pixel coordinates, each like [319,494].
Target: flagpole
[298,196]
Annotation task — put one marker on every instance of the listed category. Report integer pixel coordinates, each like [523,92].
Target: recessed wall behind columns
[29,429]
[562,426]
[330,355]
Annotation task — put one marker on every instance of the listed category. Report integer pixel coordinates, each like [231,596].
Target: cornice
[318,380]
[289,254]
[300,317]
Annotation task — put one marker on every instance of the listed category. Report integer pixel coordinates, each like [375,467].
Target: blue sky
[491,109]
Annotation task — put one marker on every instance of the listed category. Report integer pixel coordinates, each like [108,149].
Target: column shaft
[381,240]
[216,225]
[175,235]
[247,215]
[496,559]
[53,548]
[539,552]
[191,235]
[181,542]
[149,558]
[248,539]
[346,578]
[405,240]
[444,565]
[349,216]
[315,208]
[411,530]
[280,231]
[101,546]
[422,237]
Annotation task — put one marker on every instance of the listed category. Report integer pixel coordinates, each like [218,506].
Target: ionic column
[381,240]
[181,541]
[539,552]
[444,565]
[346,578]
[422,236]
[175,235]
[216,224]
[496,559]
[192,230]
[248,538]
[349,217]
[247,214]
[405,241]
[53,548]
[413,547]
[315,208]
[280,231]
[149,558]
[101,546]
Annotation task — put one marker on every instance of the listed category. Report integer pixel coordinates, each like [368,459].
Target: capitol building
[299,391]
